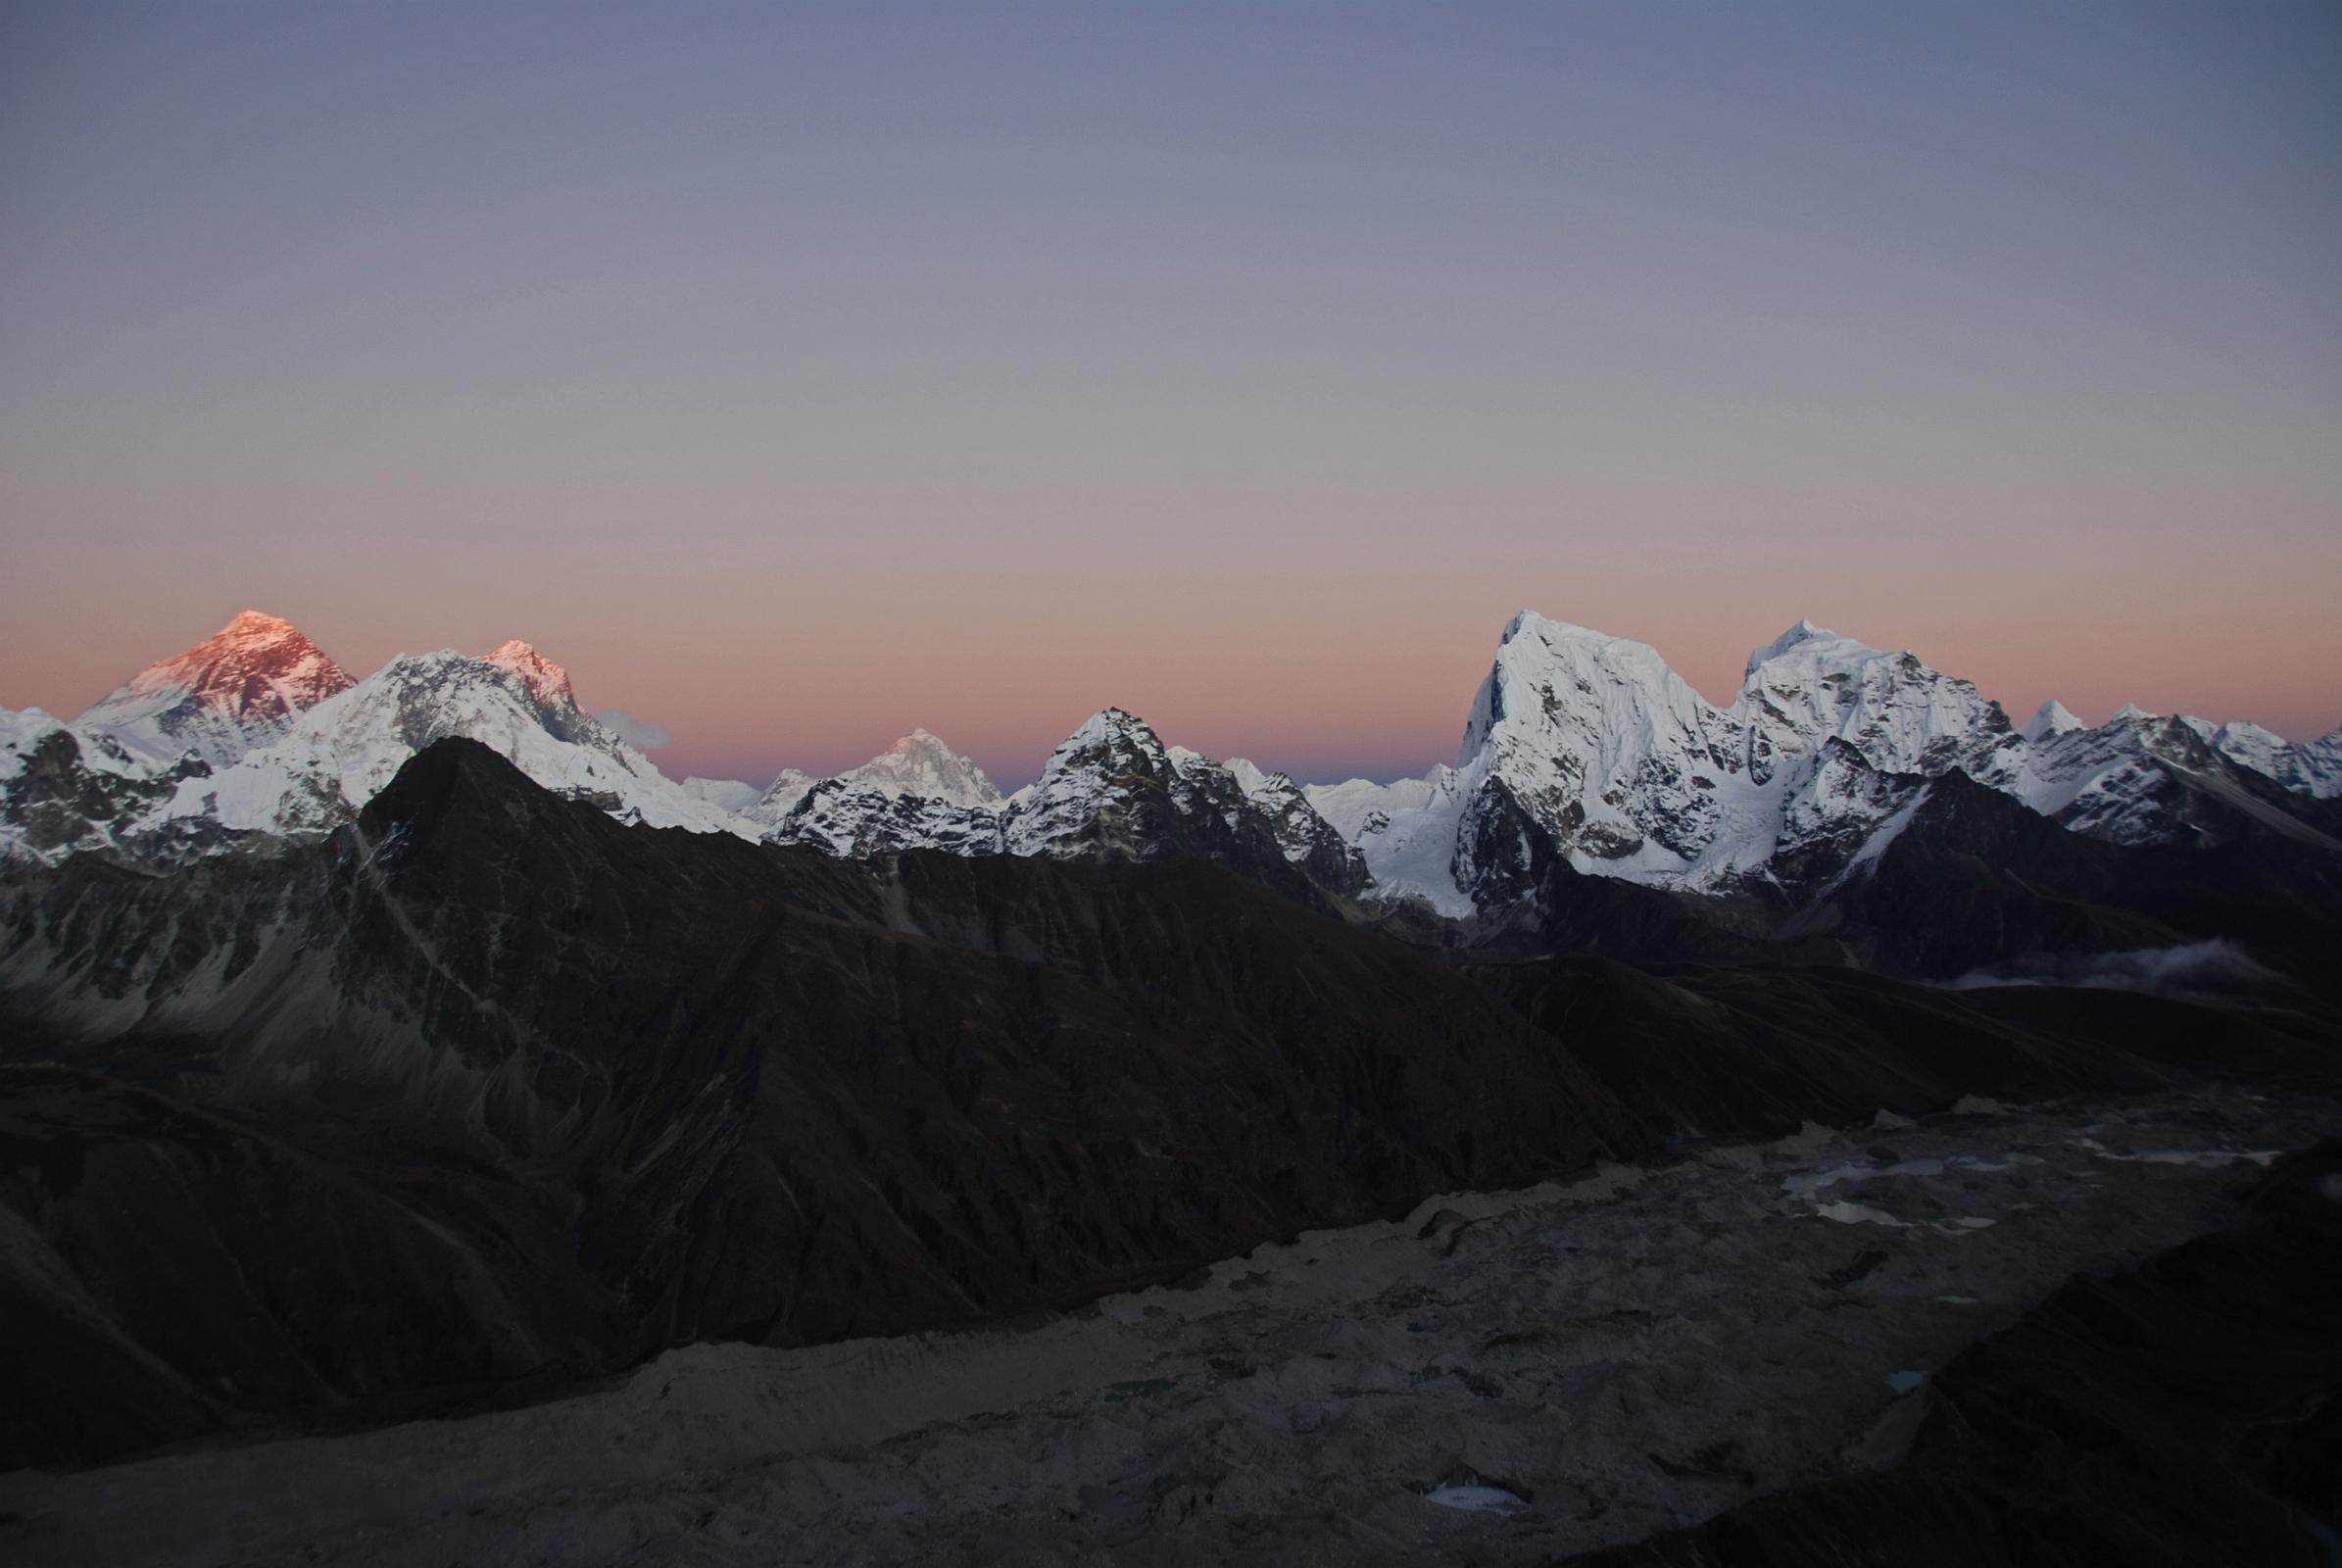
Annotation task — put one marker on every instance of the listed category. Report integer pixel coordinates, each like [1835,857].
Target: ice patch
[1906,1381]
[1859,1214]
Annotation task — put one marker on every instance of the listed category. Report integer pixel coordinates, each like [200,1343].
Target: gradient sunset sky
[799,375]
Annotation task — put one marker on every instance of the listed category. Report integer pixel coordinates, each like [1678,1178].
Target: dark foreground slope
[488,1093]
[753,1120]
[2186,1412]
[1705,1052]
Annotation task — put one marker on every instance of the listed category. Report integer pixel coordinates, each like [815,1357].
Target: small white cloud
[2192,969]
[639,733]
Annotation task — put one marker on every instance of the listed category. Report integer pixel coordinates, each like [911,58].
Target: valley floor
[1502,1378]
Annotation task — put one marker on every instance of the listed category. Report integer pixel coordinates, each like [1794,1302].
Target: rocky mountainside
[1588,749]
[769,1120]
[1112,791]
[486,1067]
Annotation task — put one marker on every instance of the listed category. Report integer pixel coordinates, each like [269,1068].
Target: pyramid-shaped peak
[254,660]
[923,764]
[1110,734]
[238,688]
[2051,718]
[1797,636]
[258,624]
[546,680]
[1109,722]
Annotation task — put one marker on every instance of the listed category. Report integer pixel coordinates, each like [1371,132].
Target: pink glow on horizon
[797,376]
[1324,679]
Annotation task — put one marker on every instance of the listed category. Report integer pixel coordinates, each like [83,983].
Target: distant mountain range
[1581,749]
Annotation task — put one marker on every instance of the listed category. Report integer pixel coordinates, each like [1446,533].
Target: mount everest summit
[1580,749]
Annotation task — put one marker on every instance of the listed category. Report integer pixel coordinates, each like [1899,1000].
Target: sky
[797,376]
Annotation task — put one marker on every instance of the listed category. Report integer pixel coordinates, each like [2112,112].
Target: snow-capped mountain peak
[1596,736]
[1805,631]
[920,764]
[780,796]
[1113,791]
[1116,730]
[2311,768]
[238,688]
[2051,718]
[1898,713]
[343,750]
[546,680]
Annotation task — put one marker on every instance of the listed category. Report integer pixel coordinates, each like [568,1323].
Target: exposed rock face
[237,689]
[858,820]
[2312,768]
[1588,749]
[1311,843]
[781,796]
[2143,779]
[1596,742]
[918,793]
[1811,686]
[1112,791]
[58,798]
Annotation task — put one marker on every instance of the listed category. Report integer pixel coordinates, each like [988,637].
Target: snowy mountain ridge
[1589,748]
[1579,746]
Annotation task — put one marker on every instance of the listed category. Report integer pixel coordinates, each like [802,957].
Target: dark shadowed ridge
[632,1087]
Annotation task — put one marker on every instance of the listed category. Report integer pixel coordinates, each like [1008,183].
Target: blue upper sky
[757,327]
